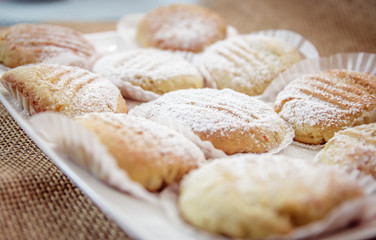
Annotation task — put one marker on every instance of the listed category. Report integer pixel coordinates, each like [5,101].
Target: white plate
[138,218]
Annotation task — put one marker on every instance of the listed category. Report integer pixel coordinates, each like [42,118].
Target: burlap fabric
[37,201]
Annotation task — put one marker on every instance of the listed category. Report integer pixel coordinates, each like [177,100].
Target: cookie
[353,147]
[321,104]
[22,44]
[64,89]
[181,27]
[231,121]
[246,63]
[151,69]
[256,196]
[151,154]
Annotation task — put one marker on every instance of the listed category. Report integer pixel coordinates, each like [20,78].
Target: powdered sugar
[50,44]
[127,27]
[354,147]
[264,184]
[156,140]
[325,99]
[66,89]
[220,112]
[54,55]
[98,96]
[181,27]
[182,31]
[248,63]
[266,172]
[140,65]
[211,110]
[42,35]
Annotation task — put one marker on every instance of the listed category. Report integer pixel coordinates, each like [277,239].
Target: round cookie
[246,63]
[354,147]
[318,105]
[152,154]
[181,27]
[231,121]
[22,44]
[151,69]
[67,90]
[256,196]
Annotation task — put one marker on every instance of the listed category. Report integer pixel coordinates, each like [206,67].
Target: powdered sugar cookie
[151,69]
[354,147]
[246,63]
[151,154]
[231,121]
[257,196]
[181,27]
[22,44]
[318,105]
[65,89]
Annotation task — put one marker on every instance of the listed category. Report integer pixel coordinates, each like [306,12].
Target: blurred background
[16,11]
[331,25]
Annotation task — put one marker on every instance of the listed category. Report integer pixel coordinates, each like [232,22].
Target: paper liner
[82,147]
[105,42]
[22,102]
[360,62]
[300,150]
[360,211]
[287,140]
[3,69]
[135,92]
[126,29]
[207,147]
[132,103]
[305,48]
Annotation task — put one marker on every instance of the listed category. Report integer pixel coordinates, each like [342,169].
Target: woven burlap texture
[37,201]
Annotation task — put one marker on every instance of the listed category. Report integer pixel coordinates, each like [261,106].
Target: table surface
[37,201]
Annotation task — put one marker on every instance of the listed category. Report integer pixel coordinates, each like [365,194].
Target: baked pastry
[231,121]
[181,27]
[151,69]
[22,44]
[256,196]
[247,63]
[318,105]
[152,154]
[353,147]
[65,89]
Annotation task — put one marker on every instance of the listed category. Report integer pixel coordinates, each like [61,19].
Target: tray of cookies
[211,136]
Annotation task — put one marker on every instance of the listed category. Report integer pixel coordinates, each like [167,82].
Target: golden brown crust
[318,105]
[255,139]
[35,43]
[247,63]
[151,154]
[256,196]
[181,27]
[354,147]
[231,121]
[151,69]
[65,89]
